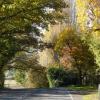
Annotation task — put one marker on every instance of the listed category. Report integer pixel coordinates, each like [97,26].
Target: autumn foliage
[75,54]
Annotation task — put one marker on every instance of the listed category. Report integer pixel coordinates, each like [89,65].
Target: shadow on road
[35,94]
[57,91]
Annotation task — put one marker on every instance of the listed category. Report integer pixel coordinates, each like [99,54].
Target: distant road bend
[35,94]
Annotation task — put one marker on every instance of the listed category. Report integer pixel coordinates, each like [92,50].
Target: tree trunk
[80,77]
[1,78]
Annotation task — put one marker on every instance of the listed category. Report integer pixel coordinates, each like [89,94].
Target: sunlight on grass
[93,96]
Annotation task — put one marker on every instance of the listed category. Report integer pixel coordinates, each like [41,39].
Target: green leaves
[20,13]
[8,47]
[16,19]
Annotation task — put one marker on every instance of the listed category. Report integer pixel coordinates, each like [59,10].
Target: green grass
[91,91]
[92,96]
[81,88]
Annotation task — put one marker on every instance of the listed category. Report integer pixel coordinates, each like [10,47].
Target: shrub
[36,79]
[55,76]
[59,77]
[71,78]
[20,76]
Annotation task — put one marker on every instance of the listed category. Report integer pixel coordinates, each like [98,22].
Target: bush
[55,76]
[71,78]
[36,79]
[32,78]
[59,77]
[20,76]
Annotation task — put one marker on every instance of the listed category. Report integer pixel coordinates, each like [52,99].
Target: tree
[8,48]
[17,16]
[29,72]
[94,6]
[19,22]
[89,17]
[76,52]
[88,14]
[92,35]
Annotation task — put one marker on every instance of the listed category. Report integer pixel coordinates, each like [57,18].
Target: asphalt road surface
[35,94]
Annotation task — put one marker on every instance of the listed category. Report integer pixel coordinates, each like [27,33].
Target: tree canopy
[75,54]
[17,16]
[20,19]
[20,22]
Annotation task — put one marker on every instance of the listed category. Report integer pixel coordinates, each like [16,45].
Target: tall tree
[92,37]
[88,15]
[75,54]
[20,21]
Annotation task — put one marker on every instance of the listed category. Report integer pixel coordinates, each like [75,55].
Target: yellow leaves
[96,35]
[61,42]
[85,18]
[81,2]
[96,6]
[81,13]
[96,11]
[95,3]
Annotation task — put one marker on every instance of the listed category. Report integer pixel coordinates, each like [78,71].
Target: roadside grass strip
[81,88]
[93,96]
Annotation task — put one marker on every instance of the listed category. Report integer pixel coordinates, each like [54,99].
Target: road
[35,94]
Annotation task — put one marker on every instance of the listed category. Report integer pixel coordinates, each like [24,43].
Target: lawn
[92,96]
[87,92]
[82,88]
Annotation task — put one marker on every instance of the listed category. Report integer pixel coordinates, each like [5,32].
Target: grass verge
[87,92]
[82,88]
[92,96]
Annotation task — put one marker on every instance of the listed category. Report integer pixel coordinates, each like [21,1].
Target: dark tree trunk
[1,78]
[80,77]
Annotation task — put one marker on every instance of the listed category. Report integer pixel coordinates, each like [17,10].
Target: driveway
[36,94]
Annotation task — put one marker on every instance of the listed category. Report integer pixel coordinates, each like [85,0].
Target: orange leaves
[69,54]
[61,42]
